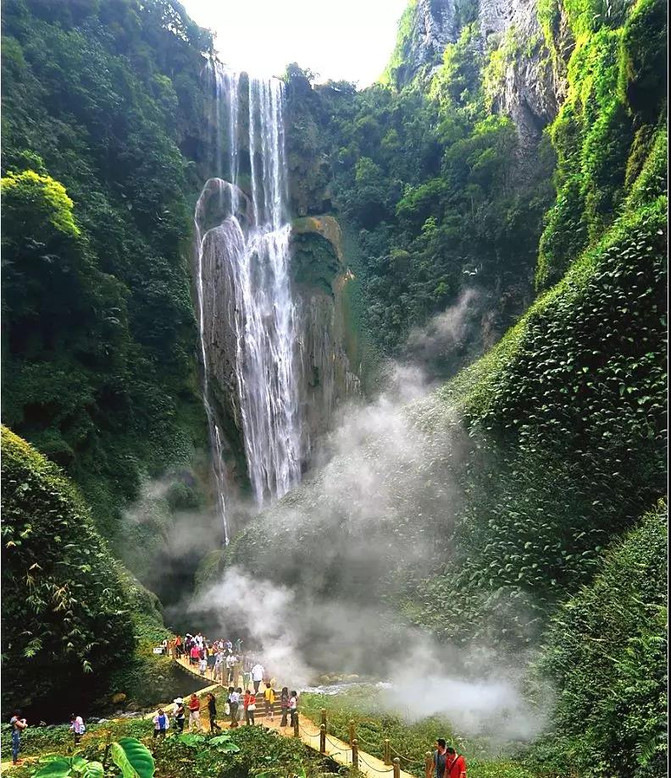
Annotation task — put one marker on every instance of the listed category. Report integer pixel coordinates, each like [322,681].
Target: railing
[356,755]
[387,749]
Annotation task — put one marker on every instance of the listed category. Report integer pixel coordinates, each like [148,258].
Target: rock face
[427,27]
[530,90]
[320,280]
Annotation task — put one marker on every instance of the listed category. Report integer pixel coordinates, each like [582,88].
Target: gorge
[389,361]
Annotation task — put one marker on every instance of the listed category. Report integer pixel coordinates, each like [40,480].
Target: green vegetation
[427,184]
[132,757]
[65,618]
[240,753]
[73,618]
[607,649]
[409,741]
[616,97]
[102,106]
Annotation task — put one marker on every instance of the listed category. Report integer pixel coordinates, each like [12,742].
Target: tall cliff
[524,86]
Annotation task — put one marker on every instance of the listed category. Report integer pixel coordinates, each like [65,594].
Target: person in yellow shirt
[269,696]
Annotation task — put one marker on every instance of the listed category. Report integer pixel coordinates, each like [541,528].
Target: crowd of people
[239,705]
[223,661]
[216,659]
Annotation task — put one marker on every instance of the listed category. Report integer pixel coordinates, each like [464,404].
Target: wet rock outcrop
[320,277]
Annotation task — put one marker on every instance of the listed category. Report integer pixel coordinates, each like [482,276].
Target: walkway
[309,734]
[338,750]
[183,662]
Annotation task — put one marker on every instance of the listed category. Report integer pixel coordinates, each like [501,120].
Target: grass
[409,741]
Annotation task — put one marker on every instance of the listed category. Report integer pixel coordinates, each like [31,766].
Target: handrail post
[296,732]
[355,753]
[323,721]
[428,764]
[387,751]
[397,767]
[352,731]
[322,739]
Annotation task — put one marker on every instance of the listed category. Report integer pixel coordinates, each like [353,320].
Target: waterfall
[248,320]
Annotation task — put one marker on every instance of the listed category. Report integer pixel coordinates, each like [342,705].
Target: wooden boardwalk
[310,735]
[308,732]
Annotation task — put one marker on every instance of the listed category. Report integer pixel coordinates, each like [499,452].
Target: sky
[349,40]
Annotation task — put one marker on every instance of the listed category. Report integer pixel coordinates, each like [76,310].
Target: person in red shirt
[249,702]
[455,765]
[194,654]
[194,712]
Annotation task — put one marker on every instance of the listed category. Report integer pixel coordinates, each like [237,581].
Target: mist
[317,582]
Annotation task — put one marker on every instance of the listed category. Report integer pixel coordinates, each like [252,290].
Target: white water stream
[246,312]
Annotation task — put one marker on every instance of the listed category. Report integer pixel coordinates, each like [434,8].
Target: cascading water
[248,319]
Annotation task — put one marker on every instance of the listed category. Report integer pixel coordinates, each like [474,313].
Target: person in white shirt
[293,708]
[77,726]
[234,703]
[257,676]
[231,662]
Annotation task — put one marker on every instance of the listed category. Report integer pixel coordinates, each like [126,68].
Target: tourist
[194,654]
[234,705]
[455,766]
[161,723]
[231,662]
[238,647]
[293,708]
[77,726]
[249,702]
[178,647]
[269,696]
[212,710]
[218,670]
[202,666]
[179,714]
[18,724]
[194,712]
[257,676]
[246,670]
[284,706]
[211,660]
[228,646]
[439,758]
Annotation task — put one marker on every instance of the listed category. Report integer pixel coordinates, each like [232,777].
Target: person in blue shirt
[161,723]
[18,724]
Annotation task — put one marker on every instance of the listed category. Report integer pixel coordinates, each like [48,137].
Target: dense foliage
[428,185]
[607,650]
[606,126]
[65,617]
[101,103]
[241,753]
